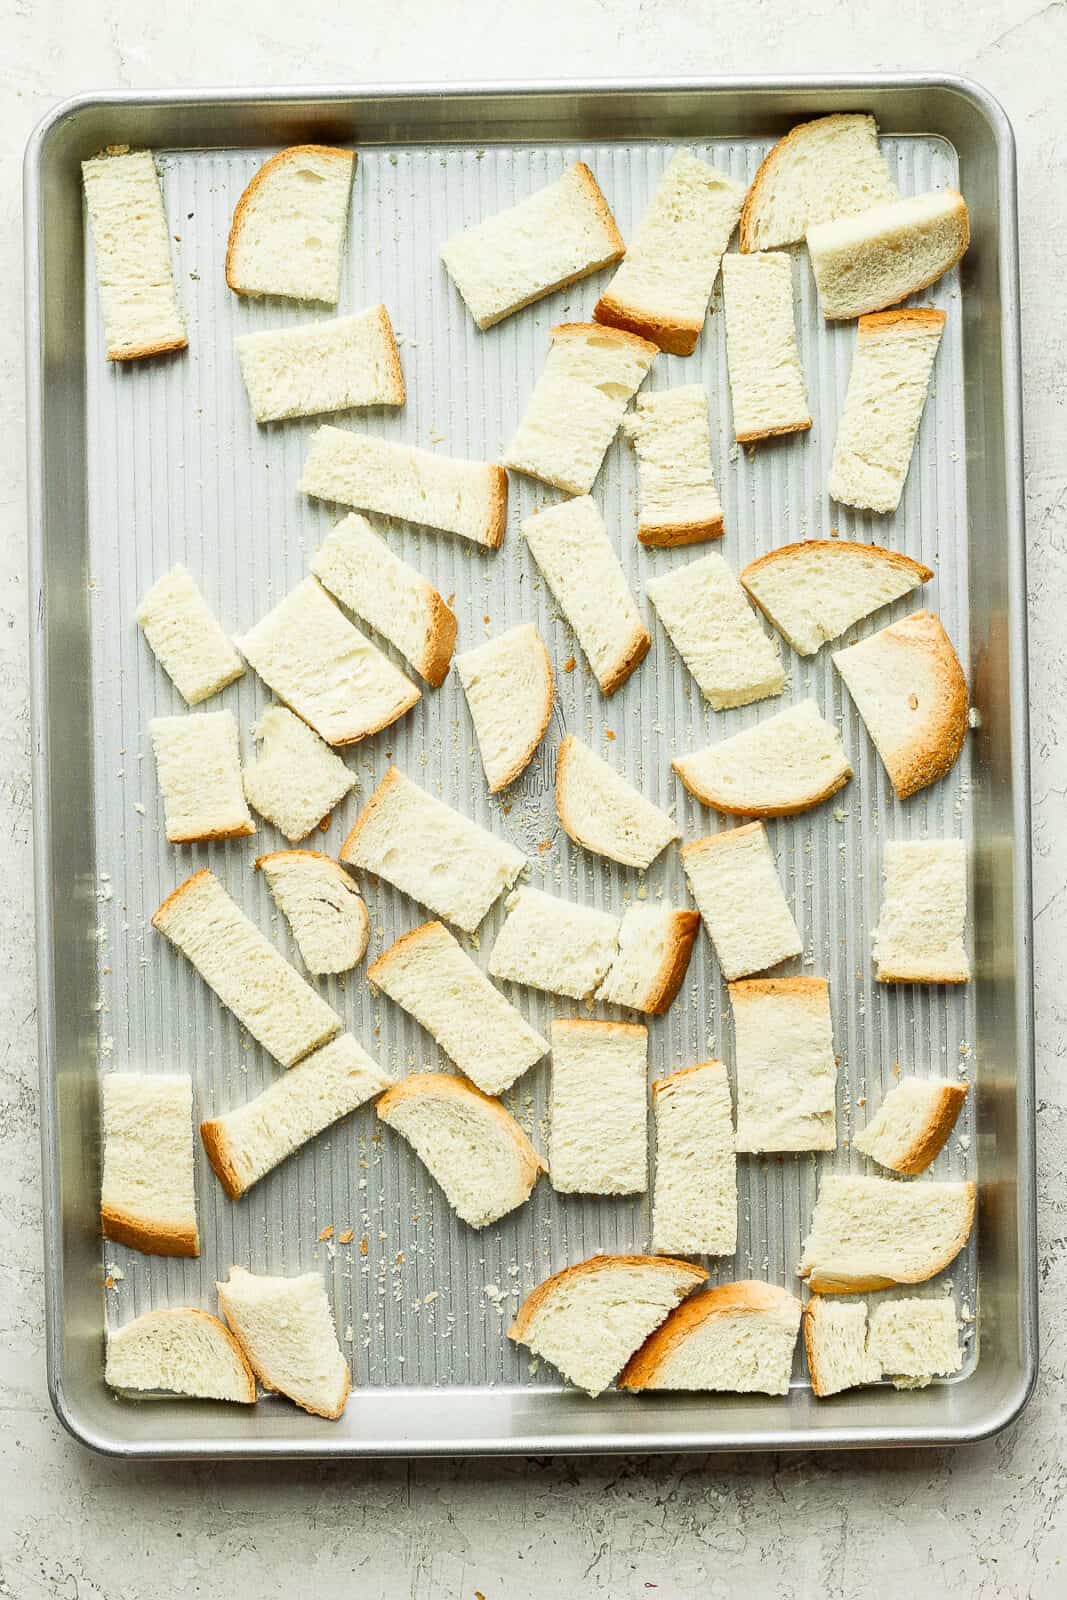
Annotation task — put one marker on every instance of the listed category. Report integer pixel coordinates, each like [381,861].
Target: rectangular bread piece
[655,943]
[694,1198]
[131,244]
[922,922]
[186,639]
[717,633]
[148,1191]
[198,762]
[766,381]
[735,884]
[599,1107]
[670,431]
[837,1347]
[553,944]
[334,365]
[295,780]
[784,1063]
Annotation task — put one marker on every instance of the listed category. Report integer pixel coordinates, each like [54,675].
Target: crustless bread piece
[286,1330]
[869,1233]
[671,435]
[185,638]
[912,1124]
[878,257]
[786,764]
[767,386]
[837,1347]
[603,813]
[694,1198]
[717,633]
[147,1193]
[599,1107]
[589,1319]
[265,994]
[920,932]
[663,286]
[735,884]
[179,1352]
[296,779]
[469,1144]
[432,977]
[914,1340]
[198,761]
[131,243]
[814,590]
[508,684]
[655,944]
[553,944]
[785,1065]
[322,366]
[288,231]
[560,233]
[322,906]
[737,1338]
[830,167]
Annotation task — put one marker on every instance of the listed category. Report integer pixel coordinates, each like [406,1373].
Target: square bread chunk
[148,1192]
[599,1107]
[187,641]
[553,944]
[735,883]
[333,365]
[916,1339]
[717,633]
[198,760]
[671,435]
[296,779]
[131,243]
[694,1199]
[784,1062]
[921,927]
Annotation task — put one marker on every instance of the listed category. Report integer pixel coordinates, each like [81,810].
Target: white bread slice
[655,944]
[432,853]
[663,286]
[147,1192]
[814,590]
[599,1107]
[590,1318]
[296,779]
[560,233]
[429,973]
[265,994]
[602,812]
[468,498]
[570,544]
[553,944]
[909,689]
[314,659]
[361,571]
[784,765]
[830,167]
[179,1352]
[285,1328]
[887,390]
[694,1197]
[784,1064]
[198,763]
[508,684]
[869,1233]
[717,633]
[734,882]
[878,257]
[920,932]
[469,1144]
[245,1144]
[737,1338]
[322,366]
[912,1124]
[323,907]
[288,231]
[185,638]
[131,243]
[837,1347]
[671,434]
[767,387]
[916,1339]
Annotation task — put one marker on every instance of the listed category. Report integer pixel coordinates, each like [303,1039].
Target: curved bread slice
[837,1346]
[655,944]
[131,245]
[767,388]
[179,1352]
[508,685]
[599,1107]
[285,1328]
[589,1319]
[909,689]
[788,763]
[734,881]
[671,435]
[288,231]
[602,812]
[554,944]
[198,763]
[914,1340]
[321,367]
[717,633]
[322,906]
[830,167]
[912,1124]
[469,1144]
[737,1338]
[694,1200]
[878,257]
[147,1191]
[814,590]
[869,1233]
[921,926]
[186,639]
[295,780]
[785,1064]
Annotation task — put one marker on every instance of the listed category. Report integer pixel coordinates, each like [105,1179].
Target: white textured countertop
[989,1521]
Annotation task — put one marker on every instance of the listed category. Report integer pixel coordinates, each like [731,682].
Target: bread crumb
[348,1333]
[570,664]
[327,1232]
[545,844]
[364,1246]
[486,619]
[609,733]
[834,534]
[140,809]
[346,1237]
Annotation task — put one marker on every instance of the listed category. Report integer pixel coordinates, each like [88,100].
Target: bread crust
[930,1140]
[581,330]
[217,1150]
[960,975]
[793,809]
[663,988]
[242,831]
[219,1328]
[595,194]
[138,351]
[628,662]
[826,1282]
[593,1026]
[924,316]
[670,535]
[526,1313]
[159,915]
[713,1065]
[436,656]
[450,1086]
[378,799]
[963,239]
[726,1299]
[268,1383]
[807,1329]
[497,519]
[252,188]
[676,336]
[749,211]
[410,699]
[392,355]
[142,1233]
[754,435]
[813,989]
[713,841]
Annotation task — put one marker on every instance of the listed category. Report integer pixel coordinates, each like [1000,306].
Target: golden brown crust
[448,1086]
[497,520]
[754,435]
[216,1148]
[440,641]
[159,915]
[138,351]
[792,810]
[808,1331]
[256,183]
[398,392]
[718,1068]
[631,658]
[526,755]
[676,337]
[153,1238]
[379,798]
[873,321]
[663,989]
[318,856]
[596,197]
[825,1282]
[596,1026]
[811,989]
[747,1296]
[537,1297]
[670,535]
[581,330]
[930,1140]
[746,242]
[712,841]
[242,831]
[959,976]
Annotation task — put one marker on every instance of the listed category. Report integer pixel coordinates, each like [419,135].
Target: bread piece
[737,1338]
[878,257]
[245,1144]
[432,977]
[179,1352]
[909,689]
[590,1318]
[671,433]
[694,1199]
[296,779]
[599,1107]
[322,366]
[869,1233]
[432,853]
[916,1339]
[468,498]
[716,632]
[265,994]
[920,932]
[830,167]
[912,1124]
[469,1144]
[602,812]
[887,390]
[784,1063]
[131,243]
[198,763]
[785,764]
[553,944]
[508,684]
[837,1347]
[655,943]
[322,906]
[285,1328]
[185,638]
[815,590]
[288,231]
[735,884]
[361,571]
[560,233]
[570,544]
[147,1192]
[314,659]
[767,386]
[663,286]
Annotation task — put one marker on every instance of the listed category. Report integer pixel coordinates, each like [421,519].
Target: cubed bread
[599,1107]
[671,435]
[817,589]
[784,1063]
[785,764]
[717,633]
[735,884]
[827,168]
[198,763]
